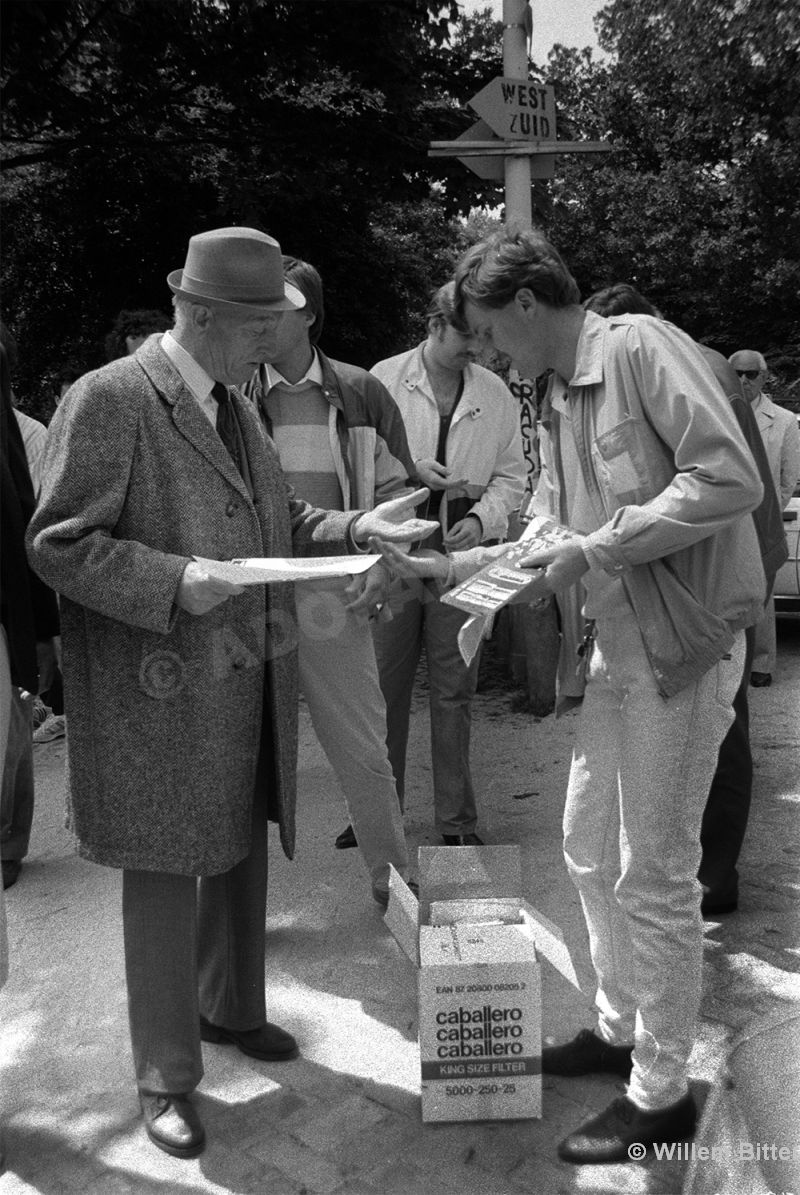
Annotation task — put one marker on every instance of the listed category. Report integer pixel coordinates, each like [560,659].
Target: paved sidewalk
[344,1119]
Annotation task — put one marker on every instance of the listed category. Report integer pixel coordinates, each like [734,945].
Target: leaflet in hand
[497,583]
[261,570]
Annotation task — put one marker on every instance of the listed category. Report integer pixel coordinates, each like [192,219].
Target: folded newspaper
[498,582]
[261,570]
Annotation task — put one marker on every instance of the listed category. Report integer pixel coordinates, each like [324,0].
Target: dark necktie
[226,422]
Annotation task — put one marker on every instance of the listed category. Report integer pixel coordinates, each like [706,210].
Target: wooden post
[515,66]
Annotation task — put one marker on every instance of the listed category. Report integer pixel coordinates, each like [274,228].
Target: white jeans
[640,777]
[339,680]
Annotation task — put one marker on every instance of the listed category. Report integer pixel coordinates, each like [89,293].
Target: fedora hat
[235,267]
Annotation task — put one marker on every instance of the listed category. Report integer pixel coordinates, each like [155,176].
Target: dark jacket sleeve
[28,607]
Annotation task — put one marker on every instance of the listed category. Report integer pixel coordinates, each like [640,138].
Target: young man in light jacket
[655,478]
[463,429]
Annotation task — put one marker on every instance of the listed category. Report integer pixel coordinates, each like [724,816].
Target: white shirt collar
[199,382]
[312,374]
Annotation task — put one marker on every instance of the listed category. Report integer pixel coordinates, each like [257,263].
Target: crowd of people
[230,435]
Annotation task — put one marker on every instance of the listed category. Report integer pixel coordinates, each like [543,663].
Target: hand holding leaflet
[503,580]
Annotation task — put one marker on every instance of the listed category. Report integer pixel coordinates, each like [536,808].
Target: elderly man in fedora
[181,689]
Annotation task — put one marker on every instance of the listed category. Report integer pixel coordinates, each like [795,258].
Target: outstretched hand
[394,521]
[423,565]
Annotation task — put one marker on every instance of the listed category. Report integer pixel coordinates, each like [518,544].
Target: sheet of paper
[261,570]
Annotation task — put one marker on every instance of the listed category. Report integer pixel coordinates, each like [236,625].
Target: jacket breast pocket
[631,464]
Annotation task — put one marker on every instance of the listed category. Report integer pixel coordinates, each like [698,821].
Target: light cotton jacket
[670,478]
[484,444]
[781,436]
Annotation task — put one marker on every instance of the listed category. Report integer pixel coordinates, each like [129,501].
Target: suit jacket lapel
[186,414]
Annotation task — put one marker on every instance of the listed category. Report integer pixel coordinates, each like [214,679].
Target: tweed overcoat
[165,708]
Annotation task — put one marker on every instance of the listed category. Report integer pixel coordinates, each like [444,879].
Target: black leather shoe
[760,680]
[623,1133]
[269,1042]
[173,1125]
[587,1054]
[346,839]
[462,840]
[11,870]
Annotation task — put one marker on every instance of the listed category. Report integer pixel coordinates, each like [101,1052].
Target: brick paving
[344,1119]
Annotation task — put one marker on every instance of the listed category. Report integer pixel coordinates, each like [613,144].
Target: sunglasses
[750,374]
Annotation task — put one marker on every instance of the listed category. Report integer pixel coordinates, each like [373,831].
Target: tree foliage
[698,204]
[131,124]
[128,125]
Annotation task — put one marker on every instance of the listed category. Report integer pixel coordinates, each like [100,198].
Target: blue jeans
[641,771]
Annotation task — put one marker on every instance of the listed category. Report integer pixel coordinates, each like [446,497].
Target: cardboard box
[476,946]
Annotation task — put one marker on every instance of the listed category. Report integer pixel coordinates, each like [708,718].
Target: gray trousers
[193,946]
[420,619]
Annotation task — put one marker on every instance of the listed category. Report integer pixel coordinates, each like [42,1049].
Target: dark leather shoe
[462,840]
[346,839]
[173,1125]
[11,870]
[623,1133]
[587,1054]
[269,1042]
[760,680]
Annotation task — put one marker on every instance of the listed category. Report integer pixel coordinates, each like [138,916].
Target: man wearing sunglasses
[781,435]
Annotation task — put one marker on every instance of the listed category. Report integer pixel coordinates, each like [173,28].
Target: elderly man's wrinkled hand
[198,592]
[393,521]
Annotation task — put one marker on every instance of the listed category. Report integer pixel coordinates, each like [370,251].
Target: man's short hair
[744,358]
[491,272]
[619,299]
[307,280]
[442,308]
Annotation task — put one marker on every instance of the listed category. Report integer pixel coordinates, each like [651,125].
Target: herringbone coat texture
[164,708]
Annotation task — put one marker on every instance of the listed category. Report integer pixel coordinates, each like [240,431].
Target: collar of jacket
[764,406]
[416,376]
[330,382]
[160,370]
[590,351]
